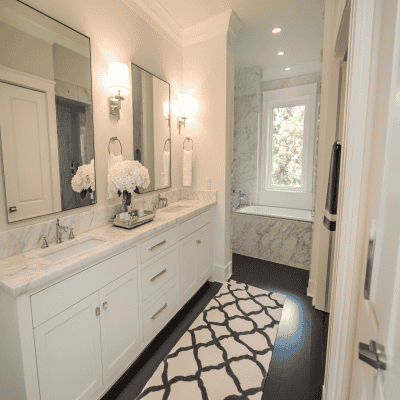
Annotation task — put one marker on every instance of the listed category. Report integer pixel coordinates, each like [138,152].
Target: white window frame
[298,198]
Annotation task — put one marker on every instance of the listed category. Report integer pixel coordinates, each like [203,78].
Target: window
[287,147]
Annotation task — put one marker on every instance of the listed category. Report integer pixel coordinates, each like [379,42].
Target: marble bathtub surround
[278,240]
[27,238]
[26,271]
[245,132]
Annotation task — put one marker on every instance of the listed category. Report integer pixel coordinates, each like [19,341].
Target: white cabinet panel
[158,271]
[205,253]
[68,353]
[158,313]
[157,244]
[188,268]
[119,318]
[49,302]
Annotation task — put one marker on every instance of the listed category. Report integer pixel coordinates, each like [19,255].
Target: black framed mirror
[46,117]
[152,126]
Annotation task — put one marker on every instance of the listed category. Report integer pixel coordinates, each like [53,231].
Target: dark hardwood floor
[297,366]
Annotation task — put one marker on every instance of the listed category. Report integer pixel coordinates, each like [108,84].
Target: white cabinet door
[119,318]
[203,241]
[188,267]
[68,353]
[26,153]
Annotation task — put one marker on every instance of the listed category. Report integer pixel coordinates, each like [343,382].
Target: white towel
[165,174]
[187,167]
[111,161]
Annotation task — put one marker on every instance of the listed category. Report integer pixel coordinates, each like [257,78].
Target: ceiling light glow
[287,69]
[281,53]
[276,30]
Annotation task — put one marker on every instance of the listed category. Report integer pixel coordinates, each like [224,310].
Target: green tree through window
[287,146]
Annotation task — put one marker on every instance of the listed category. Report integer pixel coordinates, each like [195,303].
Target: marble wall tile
[27,238]
[247,81]
[278,240]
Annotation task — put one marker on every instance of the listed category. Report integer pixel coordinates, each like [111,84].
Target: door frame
[363,50]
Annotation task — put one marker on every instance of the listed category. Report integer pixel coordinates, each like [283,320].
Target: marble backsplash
[19,240]
[278,240]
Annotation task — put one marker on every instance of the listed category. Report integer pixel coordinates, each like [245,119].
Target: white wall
[116,34]
[208,76]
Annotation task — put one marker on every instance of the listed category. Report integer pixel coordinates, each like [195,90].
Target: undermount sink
[71,249]
[174,209]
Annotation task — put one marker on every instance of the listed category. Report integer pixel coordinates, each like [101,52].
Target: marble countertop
[26,271]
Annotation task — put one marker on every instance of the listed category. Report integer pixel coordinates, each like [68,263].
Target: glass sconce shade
[118,78]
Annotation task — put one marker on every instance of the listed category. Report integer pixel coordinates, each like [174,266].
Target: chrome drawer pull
[158,312]
[158,275]
[158,244]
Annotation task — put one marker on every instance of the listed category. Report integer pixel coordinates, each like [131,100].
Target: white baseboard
[311,290]
[221,273]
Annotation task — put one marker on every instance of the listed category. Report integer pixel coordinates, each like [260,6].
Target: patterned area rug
[225,354]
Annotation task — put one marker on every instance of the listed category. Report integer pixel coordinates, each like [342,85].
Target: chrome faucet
[160,202]
[59,230]
[240,200]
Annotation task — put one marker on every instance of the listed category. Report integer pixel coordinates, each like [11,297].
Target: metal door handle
[158,244]
[158,275]
[373,354]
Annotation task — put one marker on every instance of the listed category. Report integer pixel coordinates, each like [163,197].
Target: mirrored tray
[134,220]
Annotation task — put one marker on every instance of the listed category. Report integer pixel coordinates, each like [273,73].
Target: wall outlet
[208,183]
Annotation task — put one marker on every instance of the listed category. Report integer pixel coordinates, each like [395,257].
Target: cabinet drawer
[54,299]
[159,271]
[159,313]
[195,223]
[157,244]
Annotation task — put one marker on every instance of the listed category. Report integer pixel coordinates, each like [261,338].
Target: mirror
[151,127]
[46,117]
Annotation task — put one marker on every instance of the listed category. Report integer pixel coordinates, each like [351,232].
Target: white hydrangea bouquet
[83,181]
[127,177]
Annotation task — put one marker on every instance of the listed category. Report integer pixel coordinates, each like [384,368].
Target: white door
[204,248]
[188,266]
[68,353]
[378,377]
[26,152]
[119,318]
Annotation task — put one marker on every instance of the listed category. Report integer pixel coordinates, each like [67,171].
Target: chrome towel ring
[168,140]
[114,138]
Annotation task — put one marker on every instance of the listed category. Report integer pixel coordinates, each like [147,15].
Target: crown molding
[158,18]
[226,22]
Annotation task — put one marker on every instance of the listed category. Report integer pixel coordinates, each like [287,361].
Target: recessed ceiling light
[281,53]
[276,30]
[287,69]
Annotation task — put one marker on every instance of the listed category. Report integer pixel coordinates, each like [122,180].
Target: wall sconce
[118,84]
[166,112]
[183,101]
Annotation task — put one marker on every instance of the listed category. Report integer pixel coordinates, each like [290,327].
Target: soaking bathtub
[286,213]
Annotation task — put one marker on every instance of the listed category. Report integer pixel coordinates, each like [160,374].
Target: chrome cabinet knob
[105,305]
[97,310]
[198,241]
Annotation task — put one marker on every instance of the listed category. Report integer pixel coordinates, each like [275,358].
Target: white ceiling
[301,22]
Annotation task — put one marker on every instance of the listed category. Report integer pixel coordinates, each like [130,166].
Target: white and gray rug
[225,354]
